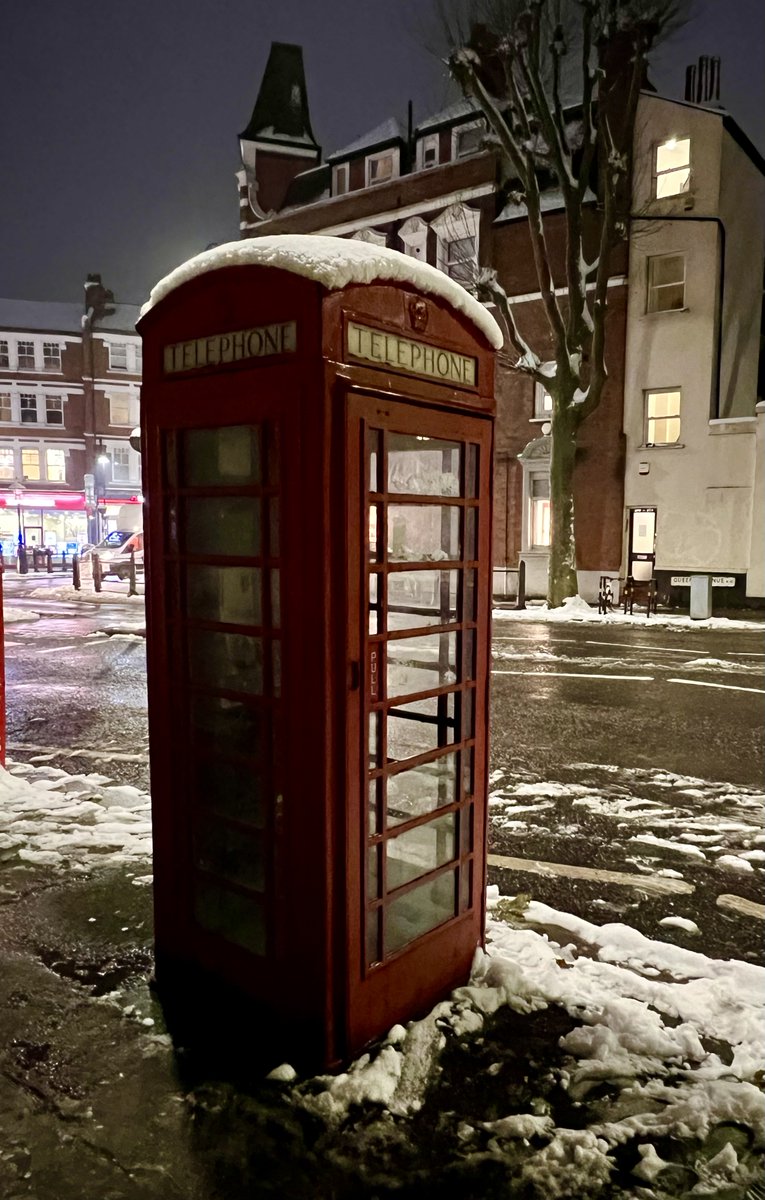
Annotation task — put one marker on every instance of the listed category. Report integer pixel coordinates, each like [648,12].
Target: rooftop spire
[280,114]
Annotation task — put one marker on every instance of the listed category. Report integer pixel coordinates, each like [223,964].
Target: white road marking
[728,687]
[575,675]
[642,646]
[647,883]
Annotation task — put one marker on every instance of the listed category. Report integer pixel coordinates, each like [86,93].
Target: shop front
[42,520]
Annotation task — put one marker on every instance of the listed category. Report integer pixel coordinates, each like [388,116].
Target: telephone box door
[419,523]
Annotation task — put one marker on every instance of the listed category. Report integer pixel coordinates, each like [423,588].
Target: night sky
[119,122]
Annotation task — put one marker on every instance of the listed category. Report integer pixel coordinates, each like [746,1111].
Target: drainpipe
[715,407]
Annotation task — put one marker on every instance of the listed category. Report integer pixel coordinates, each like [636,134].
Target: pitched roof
[389,131]
[41,316]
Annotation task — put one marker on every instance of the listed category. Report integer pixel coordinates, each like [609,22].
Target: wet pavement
[94,1103]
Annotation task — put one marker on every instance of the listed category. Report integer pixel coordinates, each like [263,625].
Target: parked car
[114,552]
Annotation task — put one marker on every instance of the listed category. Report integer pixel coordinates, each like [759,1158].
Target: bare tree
[558,83]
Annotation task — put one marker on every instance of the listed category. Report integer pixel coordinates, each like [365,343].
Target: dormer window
[340,179]
[457,232]
[672,167]
[466,139]
[382,167]
[427,151]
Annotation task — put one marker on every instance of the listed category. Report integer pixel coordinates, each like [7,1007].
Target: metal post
[132,587]
[521,599]
[76,571]
[96,572]
[49,555]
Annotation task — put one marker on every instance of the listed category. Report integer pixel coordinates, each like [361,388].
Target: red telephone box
[317,472]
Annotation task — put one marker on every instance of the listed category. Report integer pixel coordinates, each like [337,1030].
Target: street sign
[717,580]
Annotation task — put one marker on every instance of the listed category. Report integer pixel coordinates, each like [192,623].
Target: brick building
[69,400]
[432,191]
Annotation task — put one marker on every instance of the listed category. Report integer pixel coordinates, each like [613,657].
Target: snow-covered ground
[576,609]
[581,1060]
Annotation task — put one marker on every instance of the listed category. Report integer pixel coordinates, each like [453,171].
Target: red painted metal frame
[310,978]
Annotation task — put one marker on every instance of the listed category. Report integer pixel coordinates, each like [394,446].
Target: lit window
[54,410]
[30,464]
[119,410]
[4,357]
[5,406]
[662,418]
[26,355]
[543,404]
[118,356]
[666,282]
[340,179]
[28,405]
[51,356]
[7,466]
[539,511]
[673,167]
[55,466]
[121,464]
[467,140]
[381,167]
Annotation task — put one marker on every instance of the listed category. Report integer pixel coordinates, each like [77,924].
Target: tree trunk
[562,577]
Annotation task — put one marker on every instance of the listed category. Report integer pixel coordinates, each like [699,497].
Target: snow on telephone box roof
[334,263]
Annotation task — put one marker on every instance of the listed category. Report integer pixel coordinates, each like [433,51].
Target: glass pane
[373,936]
[232,790]
[230,724]
[373,872]
[422,533]
[667,298]
[375,518]
[223,525]
[374,740]
[420,727]
[375,822]
[418,598]
[466,829]
[668,268]
[273,528]
[420,850]
[471,472]
[425,907]
[231,853]
[673,183]
[221,456]
[422,789]
[468,654]
[468,608]
[417,664]
[664,431]
[276,614]
[231,661]
[374,604]
[471,519]
[238,919]
[422,465]
[374,439]
[663,404]
[673,154]
[466,724]
[226,594]
[468,779]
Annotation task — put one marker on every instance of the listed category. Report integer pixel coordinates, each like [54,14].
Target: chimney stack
[702,81]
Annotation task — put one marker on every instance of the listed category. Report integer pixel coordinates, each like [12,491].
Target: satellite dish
[135,438]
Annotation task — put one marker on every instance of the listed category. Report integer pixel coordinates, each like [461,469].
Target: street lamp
[102,463]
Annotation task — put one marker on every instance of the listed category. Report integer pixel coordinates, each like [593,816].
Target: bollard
[49,556]
[132,586]
[63,560]
[22,565]
[521,599]
[96,572]
[35,559]
[76,571]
